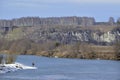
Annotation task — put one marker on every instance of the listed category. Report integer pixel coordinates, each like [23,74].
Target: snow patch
[4,68]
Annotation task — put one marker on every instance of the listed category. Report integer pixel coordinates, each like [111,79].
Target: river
[65,69]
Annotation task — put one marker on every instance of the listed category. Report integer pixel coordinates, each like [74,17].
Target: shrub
[11,58]
[7,58]
[1,59]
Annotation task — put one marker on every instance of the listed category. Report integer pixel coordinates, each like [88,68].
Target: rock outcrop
[5,68]
[60,29]
[77,35]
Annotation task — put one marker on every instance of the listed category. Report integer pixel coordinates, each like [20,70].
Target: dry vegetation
[55,49]
[7,58]
[102,28]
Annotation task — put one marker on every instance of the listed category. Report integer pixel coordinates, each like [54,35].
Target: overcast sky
[100,9]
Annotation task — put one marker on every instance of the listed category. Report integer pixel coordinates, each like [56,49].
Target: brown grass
[102,28]
[103,48]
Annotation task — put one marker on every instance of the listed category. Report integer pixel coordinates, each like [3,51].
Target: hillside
[50,36]
[60,29]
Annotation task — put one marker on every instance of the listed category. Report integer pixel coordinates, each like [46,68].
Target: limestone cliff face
[65,36]
[60,29]
[72,36]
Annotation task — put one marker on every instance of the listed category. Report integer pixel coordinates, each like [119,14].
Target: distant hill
[64,30]
[69,37]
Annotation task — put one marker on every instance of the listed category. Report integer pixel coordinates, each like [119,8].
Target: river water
[65,69]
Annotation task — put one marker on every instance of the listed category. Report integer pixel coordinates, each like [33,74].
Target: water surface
[65,69]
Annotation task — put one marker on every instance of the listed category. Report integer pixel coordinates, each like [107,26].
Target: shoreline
[66,54]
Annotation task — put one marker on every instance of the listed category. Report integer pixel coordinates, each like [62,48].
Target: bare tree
[117,49]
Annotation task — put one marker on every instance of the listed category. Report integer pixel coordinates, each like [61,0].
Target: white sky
[100,9]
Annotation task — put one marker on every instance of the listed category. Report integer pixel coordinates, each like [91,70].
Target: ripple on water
[42,77]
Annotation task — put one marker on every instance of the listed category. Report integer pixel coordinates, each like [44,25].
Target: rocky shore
[5,68]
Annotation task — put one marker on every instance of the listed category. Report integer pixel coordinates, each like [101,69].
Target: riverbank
[86,52]
[98,55]
[80,51]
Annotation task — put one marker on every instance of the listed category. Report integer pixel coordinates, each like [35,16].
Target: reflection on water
[65,69]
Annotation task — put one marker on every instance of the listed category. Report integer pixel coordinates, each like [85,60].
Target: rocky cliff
[60,29]
[75,35]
